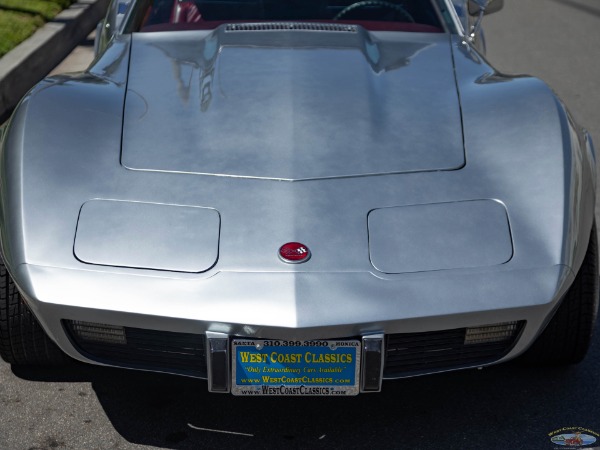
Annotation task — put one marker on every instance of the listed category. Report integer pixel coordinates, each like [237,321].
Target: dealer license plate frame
[307,370]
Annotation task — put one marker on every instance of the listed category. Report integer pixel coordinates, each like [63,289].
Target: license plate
[272,367]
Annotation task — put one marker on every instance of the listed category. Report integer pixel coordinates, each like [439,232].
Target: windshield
[392,15]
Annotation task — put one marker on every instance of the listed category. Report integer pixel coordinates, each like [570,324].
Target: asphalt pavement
[502,407]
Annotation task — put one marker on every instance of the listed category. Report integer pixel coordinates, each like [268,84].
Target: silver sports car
[296,197]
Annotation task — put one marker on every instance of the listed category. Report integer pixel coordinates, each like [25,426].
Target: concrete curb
[30,61]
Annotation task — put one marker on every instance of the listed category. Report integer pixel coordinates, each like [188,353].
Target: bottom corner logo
[573,437]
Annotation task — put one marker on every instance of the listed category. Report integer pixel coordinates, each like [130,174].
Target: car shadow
[506,406]
[594,11]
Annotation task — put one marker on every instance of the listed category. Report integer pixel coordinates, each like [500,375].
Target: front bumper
[294,305]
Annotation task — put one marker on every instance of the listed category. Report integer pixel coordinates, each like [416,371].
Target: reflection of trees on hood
[188,55]
[186,58]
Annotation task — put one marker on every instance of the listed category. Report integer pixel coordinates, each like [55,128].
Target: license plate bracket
[280,367]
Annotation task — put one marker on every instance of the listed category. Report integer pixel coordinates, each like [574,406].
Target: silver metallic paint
[439,236]
[520,145]
[147,236]
[244,105]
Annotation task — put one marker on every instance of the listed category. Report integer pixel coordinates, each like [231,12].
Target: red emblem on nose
[294,253]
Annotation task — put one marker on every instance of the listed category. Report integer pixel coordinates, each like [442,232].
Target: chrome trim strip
[217,362]
[458,24]
[373,356]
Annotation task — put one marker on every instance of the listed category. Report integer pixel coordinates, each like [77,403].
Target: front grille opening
[287,26]
[93,332]
[409,354]
[492,333]
[138,348]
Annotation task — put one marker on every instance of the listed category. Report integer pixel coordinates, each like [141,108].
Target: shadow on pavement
[499,407]
[582,7]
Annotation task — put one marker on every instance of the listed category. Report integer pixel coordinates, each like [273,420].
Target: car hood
[291,105]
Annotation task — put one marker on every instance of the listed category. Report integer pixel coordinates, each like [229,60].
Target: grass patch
[20,18]
[46,9]
[15,28]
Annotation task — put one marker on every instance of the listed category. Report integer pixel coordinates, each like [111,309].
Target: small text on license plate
[281,367]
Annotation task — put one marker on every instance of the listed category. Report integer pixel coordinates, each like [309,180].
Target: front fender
[517,123]
[59,117]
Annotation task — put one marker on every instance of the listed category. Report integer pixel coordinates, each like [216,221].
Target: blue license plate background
[263,367]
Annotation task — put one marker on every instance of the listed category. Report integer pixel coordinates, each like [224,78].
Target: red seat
[185,12]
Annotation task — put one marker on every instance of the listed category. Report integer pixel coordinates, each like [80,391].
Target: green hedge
[20,18]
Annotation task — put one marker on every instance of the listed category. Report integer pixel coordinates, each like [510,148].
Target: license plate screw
[259,346]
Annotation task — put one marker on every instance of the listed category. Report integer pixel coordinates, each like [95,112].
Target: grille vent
[287,26]
[137,348]
[410,354]
[407,354]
